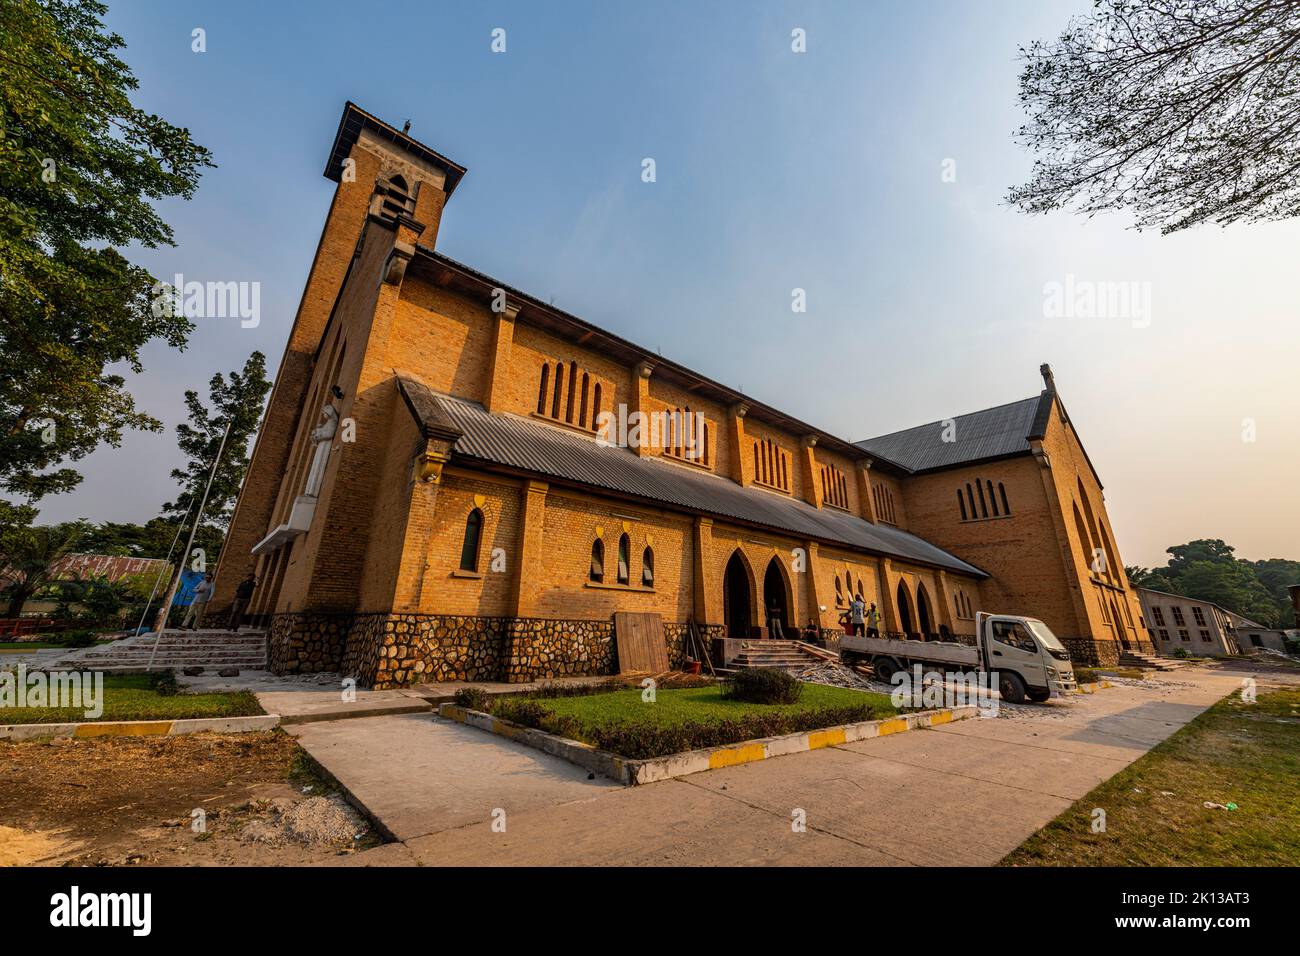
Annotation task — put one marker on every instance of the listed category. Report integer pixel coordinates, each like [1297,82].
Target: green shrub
[83,637]
[1085,675]
[762,685]
[1180,652]
[472,698]
[163,683]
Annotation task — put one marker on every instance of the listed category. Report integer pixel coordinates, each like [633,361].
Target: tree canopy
[1179,112]
[236,399]
[80,170]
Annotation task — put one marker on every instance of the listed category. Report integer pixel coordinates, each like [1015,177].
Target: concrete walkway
[964,794]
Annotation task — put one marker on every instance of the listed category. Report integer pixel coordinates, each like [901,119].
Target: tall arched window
[597,572]
[993,501]
[582,413]
[595,408]
[541,389]
[469,547]
[648,568]
[573,391]
[839,591]
[624,572]
[1002,493]
[559,388]
[961,503]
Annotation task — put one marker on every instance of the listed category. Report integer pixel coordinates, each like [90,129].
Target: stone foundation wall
[307,642]
[542,649]
[1092,653]
[384,650]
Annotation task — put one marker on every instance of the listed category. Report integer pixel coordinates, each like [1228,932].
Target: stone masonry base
[391,649]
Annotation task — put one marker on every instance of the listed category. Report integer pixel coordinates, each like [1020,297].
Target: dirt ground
[129,801]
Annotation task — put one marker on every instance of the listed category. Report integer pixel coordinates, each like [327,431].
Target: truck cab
[1031,660]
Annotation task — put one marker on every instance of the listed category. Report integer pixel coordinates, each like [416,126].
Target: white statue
[322,436]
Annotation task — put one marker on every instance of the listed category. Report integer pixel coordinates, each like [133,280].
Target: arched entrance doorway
[923,612]
[904,609]
[776,608]
[735,597]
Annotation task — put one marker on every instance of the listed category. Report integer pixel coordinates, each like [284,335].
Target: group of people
[203,593]
[859,619]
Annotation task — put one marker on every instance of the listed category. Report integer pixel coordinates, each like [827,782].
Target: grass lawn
[27,645]
[682,719]
[706,704]
[132,697]
[1247,754]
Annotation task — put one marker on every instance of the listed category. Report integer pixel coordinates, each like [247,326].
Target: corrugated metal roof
[530,446]
[989,433]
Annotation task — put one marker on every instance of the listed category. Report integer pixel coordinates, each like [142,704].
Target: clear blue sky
[775,171]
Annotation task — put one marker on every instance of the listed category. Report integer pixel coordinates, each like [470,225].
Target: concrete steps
[1144,661]
[209,649]
[789,656]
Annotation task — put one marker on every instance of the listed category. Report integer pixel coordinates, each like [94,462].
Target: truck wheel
[884,668]
[1011,688]
[1038,696]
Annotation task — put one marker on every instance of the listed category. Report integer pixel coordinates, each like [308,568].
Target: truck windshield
[1044,634]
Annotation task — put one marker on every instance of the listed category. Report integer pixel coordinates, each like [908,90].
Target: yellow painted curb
[746,753]
[895,726]
[826,738]
[940,717]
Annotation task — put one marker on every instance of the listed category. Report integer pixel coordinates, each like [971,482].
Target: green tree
[80,169]
[1233,586]
[1277,574]
[30,555]
[1181,113]
[235,399]
[1214,550]
[1147,578]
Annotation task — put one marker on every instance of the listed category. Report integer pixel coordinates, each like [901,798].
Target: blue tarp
[185,593]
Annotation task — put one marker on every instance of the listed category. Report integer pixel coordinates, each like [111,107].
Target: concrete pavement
[963,794]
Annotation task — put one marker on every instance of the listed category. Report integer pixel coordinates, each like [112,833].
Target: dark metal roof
[990,433]
[523,445]
[355,119]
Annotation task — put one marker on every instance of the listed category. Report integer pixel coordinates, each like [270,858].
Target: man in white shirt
[199,605]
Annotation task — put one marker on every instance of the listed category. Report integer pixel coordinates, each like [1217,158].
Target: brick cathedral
[437,491]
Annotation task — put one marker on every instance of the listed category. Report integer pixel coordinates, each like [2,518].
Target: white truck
[1028,659]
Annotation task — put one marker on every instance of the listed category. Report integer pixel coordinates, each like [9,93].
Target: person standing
[873,621]
[774,629]
[857,612]
[242,594]
[199,606]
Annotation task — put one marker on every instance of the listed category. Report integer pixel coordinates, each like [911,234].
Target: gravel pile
[316,821]
[837,675]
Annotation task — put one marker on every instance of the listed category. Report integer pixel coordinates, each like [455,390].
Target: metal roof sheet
[519,443]
[989,433]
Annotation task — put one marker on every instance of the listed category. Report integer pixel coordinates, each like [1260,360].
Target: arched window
[573,390]
[961,503]
[597,572]
[541,389]
[559,388]
[469,547]
[582,413]
[595,408]
[648,568]
[984,507]
[970,501]
[859,590]
[1002,493]
[624,574]
[992,500]
[839,591]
